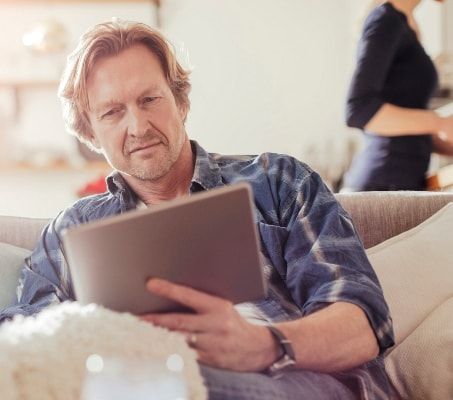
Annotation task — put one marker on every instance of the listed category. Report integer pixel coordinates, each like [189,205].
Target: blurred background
[266,75]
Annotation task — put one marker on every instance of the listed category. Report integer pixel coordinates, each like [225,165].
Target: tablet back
[207,241]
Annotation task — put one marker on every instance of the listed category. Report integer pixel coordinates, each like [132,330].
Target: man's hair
[109,39]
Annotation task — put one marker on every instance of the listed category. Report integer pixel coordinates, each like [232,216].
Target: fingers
[194,299]
[199,342]
[179,322]
[206,355]
[194,338]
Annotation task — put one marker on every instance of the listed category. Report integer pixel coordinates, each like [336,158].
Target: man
[124,94]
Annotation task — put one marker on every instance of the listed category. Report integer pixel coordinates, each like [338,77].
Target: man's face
[133,114]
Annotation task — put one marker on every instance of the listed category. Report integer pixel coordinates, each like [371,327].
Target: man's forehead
[136,60]
[133,72]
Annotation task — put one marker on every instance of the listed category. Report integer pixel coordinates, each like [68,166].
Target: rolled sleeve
[375,55]
[44,279]
[326,261]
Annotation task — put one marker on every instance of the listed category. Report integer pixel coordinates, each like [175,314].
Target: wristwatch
[287,359]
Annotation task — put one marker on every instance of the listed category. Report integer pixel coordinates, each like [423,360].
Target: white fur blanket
[45,357]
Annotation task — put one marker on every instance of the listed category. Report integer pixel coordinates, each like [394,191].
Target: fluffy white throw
[45,357]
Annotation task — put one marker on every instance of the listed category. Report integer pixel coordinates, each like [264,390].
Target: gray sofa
[377,216]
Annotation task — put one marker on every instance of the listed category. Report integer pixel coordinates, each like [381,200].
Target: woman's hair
[109,39]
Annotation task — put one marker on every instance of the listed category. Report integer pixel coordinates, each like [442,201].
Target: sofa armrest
[20,231]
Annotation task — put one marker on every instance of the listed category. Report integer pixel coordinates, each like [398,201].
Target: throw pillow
[415,269]
[420,368]
[11,263]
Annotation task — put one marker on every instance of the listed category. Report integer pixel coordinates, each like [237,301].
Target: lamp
[46,37]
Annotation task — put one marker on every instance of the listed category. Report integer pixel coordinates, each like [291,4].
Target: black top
[392,67]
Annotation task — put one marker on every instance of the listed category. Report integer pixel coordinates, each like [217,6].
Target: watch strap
[288,358]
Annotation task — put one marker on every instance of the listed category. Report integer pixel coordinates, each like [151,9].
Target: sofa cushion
[420,367]
[415,269]
[11,262]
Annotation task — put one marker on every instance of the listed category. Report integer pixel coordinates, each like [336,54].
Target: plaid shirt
[311,252]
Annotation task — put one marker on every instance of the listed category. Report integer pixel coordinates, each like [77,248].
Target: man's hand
[223,338]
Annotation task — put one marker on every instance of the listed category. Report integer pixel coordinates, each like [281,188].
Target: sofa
[407,238]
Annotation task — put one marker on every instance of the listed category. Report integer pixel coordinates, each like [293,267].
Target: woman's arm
[377,49]
[392,120]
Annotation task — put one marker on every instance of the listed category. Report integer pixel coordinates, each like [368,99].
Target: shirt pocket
[273,241]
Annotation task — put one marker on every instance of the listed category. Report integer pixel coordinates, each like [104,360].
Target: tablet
[207,241]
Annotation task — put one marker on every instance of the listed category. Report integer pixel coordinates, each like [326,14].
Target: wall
[447,39]
[267,75]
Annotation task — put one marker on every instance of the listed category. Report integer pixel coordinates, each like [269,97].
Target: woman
[388,97]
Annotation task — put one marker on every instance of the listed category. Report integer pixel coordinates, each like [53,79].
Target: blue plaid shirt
[311,250]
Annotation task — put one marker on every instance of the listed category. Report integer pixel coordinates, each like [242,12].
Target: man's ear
[93,142]
[88,135]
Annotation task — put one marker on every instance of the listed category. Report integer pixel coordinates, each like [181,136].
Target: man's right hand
[220,335]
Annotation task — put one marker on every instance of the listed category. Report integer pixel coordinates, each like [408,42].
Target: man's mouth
[144,147]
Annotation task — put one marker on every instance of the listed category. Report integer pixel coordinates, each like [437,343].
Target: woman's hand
[443,141]
[219,334]
[445,132]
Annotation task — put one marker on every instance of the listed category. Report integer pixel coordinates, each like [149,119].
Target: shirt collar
[206,171]
[206,174]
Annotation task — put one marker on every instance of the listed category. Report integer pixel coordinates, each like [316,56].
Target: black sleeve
[380,40]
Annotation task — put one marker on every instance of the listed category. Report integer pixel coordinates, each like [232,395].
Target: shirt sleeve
[378,45]
[326,261]
[44,278]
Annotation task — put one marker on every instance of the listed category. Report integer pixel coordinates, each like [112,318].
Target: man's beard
[157,170]
[162,164]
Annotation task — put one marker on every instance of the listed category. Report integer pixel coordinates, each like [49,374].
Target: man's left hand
[222,338]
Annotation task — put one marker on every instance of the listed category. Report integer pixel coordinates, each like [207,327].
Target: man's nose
[137,124]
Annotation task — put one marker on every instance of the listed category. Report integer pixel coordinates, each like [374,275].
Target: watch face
[284,363]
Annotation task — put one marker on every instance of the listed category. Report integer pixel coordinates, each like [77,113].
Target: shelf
[28,83]
[57,166]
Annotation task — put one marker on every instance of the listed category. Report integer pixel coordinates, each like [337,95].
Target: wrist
[269,349]
[287,359]
[277,350]
[439,123]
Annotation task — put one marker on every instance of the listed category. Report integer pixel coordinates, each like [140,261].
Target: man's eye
[110,113]
[149,99]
